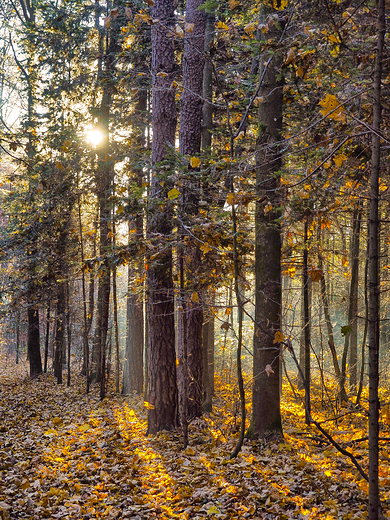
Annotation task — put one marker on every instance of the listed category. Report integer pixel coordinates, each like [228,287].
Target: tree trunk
[33,344]
[190,137]
[307,335]
[162,391]
[104,177]
[266,418]
[47,337]
[133,369]
[353,301]
[59,335]
[373,273]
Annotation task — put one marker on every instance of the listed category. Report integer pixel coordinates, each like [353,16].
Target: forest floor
[65,454]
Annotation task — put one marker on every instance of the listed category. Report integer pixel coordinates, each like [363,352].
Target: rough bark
[266,418]
[190,137]
[373,273]
[162,390]
[33,342]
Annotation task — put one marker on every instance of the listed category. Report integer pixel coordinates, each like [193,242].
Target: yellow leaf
[332,108]
[230,198]
[250,28]
[339,159]
[212,511]
[149,406]
[222,25]
[195,162]
[233,4]
[173,194]
[279,5]
[344,261]
[279,337]
[195,297]
[205,248]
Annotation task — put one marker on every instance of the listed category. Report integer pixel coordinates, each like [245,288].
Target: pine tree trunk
[162,391]
[190,137]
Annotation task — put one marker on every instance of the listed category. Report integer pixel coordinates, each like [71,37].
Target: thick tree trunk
[190,136]
[33,343]
[373,273]
[266,418]
[162,391]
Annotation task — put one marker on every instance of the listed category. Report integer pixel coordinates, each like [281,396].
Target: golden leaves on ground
[68,455]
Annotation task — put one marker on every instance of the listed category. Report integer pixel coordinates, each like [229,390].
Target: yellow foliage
[332,108]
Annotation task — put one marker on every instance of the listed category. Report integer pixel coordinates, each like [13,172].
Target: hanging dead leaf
[268,369]
[279,337]
[114,13]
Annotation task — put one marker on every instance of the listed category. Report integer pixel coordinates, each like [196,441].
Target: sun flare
[94,136]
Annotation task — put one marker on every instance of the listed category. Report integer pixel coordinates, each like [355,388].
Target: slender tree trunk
[59,336]
[373,273]
[207,129]
[17,336]
[104,176]
[328,321]
[47,337]
[307,331]
[116,328]
[162,391]
[353,301]
[68,332]
[133,369]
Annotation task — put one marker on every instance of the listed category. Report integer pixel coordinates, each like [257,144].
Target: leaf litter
[65,454]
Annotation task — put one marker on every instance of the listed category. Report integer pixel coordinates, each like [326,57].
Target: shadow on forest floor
[64,454]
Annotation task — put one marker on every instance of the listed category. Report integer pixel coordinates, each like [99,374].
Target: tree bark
[162,391]
[33,343]
[373,273]
[190,137]
[266,418]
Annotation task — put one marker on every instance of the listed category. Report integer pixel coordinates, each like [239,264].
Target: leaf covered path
[67,455]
